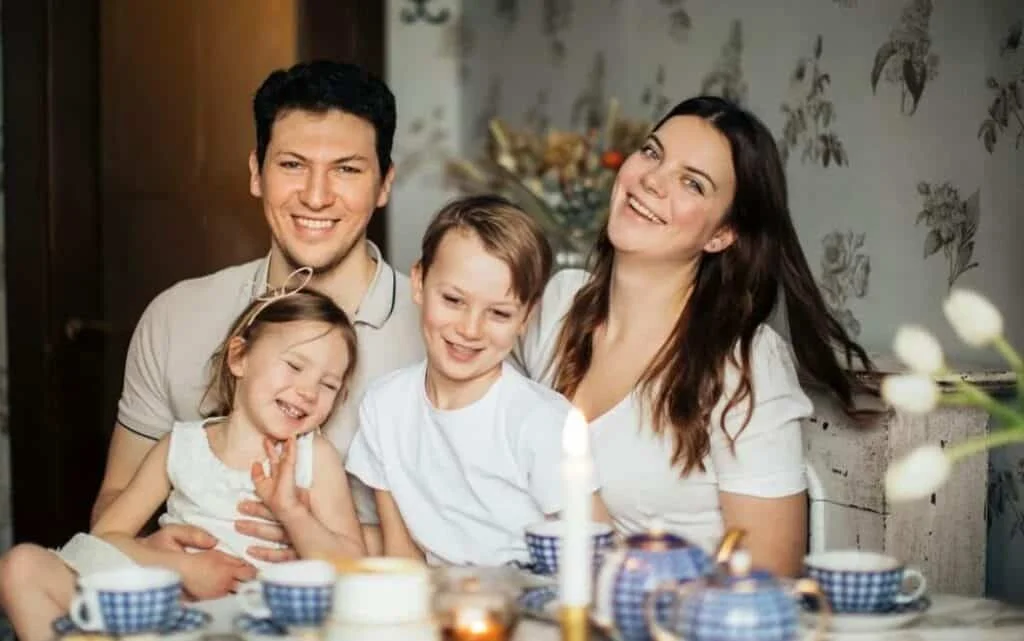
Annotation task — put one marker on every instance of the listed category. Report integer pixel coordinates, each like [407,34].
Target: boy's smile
[469,316]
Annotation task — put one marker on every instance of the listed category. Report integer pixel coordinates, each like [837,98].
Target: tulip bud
[918,349]
[976,320]
[912,393]
[918,475]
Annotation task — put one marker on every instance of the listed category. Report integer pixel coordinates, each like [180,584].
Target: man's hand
[178,537]
[212,574]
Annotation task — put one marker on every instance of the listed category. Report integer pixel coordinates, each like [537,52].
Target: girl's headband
[302,276]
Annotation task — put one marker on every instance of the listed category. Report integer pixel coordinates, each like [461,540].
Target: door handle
[74,327]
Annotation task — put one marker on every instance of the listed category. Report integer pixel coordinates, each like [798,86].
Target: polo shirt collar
[378,302]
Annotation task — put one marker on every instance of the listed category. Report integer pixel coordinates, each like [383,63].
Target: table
[951,618]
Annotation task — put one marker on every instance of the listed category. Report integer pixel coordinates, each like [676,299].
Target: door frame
[53,264]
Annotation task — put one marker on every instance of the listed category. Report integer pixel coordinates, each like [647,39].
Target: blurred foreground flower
[978,323]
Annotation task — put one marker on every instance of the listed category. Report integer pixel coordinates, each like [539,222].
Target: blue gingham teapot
[735,603]
[630,572]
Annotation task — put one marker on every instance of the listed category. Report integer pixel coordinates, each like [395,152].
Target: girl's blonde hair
[305,305]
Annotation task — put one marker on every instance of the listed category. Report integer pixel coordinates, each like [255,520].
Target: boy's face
[469,315]
[319,184]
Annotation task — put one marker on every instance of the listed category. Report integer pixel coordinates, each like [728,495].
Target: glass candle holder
[475,607]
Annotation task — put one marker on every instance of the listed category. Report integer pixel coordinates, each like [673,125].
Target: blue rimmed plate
[255,628]
[188,625]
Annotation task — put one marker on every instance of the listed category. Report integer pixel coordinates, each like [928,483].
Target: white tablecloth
[950,618]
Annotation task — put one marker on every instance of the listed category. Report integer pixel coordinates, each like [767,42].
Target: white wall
[423,71]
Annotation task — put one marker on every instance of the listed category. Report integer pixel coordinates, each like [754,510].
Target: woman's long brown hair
[734,293]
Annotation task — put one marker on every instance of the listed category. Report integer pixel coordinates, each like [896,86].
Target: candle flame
[576,435]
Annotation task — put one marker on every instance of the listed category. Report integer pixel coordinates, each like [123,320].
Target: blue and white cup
[544,541]
[297,594]
[859,581]
[127,601]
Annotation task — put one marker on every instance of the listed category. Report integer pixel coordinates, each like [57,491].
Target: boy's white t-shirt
[639,485]
[467,481]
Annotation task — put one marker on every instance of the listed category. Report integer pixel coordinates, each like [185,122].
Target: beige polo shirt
[166,372]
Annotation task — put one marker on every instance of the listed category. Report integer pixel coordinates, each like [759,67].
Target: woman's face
[670,196]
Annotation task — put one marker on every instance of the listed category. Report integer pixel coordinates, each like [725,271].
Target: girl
[693,400]
[279,374]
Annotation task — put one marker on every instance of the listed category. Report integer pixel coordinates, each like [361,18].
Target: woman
[693,399]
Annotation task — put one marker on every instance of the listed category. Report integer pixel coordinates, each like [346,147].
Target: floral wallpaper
[1005,113]
[901,124]
[905,59]
[726,78]
[810,117]
[952,223]
[845,271]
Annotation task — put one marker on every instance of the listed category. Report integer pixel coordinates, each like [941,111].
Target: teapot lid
[656,540]
[738,575]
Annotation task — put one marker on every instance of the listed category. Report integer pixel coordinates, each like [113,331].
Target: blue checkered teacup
[297,594]
[543,540]
[859,581]
[126,601]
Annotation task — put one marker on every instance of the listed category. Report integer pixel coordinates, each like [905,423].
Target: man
[321,167]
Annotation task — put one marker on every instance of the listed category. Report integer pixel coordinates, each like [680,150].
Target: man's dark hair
[320,86]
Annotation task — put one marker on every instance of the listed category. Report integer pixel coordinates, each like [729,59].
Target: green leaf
[886,51]
[932,243]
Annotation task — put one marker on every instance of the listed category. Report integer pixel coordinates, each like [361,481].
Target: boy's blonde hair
[305,305]
[507,233]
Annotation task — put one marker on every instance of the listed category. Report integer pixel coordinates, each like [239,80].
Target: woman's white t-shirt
[640,486]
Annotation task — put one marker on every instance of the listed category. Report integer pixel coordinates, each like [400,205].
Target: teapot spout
[730,541]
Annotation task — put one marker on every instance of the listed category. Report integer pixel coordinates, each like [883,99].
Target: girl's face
[289,377]
[671,195]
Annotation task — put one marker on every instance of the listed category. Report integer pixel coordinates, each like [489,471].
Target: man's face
[320,183]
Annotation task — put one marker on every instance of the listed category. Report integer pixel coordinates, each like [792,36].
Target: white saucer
[857,623]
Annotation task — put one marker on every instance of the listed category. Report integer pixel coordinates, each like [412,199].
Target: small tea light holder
[469,609]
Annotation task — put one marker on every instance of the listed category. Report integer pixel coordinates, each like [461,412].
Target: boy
[462,450]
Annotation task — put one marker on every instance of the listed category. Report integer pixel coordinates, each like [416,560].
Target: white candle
[576,555]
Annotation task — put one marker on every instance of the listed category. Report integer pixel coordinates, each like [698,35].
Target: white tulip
[976,320]
[913,393]
[918,349]
[918,475]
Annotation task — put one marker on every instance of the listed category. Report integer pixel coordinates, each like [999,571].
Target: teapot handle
[683,591]
[810,588]
[730,541]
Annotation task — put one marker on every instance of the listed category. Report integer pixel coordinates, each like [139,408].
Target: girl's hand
[211,574]
[277,489]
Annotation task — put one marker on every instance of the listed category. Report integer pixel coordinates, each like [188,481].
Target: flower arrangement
[979,324]
[562,178]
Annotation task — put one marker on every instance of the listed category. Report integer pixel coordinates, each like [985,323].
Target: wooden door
[128,126]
